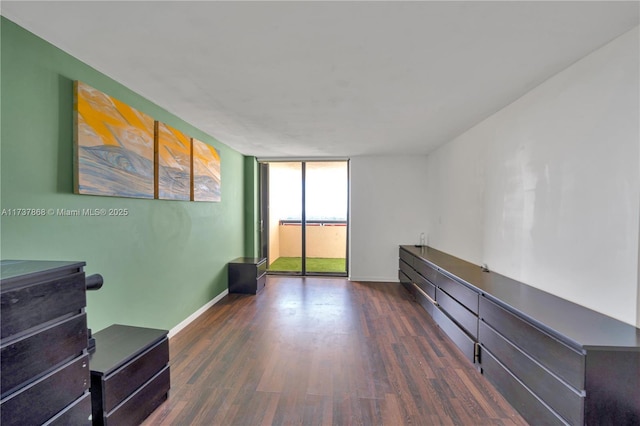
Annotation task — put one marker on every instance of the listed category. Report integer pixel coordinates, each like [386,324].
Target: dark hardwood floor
[315,351]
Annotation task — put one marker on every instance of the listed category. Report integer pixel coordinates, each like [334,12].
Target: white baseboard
[196,314]
[375,279]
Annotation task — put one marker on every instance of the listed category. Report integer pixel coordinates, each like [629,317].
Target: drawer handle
[425,294]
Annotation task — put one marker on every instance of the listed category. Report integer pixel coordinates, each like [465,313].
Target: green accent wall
[165,259]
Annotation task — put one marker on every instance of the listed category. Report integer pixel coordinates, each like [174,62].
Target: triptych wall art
[122,152]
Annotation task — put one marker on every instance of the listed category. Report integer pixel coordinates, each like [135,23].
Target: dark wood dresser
[45,368]
[129,374]
[555,361]
[247,275]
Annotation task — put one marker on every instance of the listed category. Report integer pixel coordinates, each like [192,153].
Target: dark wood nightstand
[129,374]
[247,275]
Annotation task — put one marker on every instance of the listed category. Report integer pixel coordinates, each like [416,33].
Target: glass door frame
[264,214]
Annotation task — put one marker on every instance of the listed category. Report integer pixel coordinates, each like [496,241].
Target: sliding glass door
[284,214]
[326,201]
[304,209]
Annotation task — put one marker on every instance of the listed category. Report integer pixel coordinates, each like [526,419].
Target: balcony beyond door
[304,216]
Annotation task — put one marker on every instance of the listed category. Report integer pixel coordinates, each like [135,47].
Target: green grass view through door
[315,264]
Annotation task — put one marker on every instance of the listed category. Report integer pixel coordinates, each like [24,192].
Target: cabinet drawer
[463,294]
[425,270]
[407,257]
[425,286]
[402,277]
[46,397]
[28,306]
[142,403]
[418,280]
[559,396]
[76,414]
[35,354]
[406,283]
[131,376]
[465,318]
[548,351]
[261,282]
[521,398]
[404,267]
[455,333]
[412,274]
[408,271]
[422,299]
[262,268]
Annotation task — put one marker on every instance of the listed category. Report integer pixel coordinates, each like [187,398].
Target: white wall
[455,190]
[386,210]
[546,191]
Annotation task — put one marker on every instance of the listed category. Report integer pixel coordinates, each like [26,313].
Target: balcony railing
[314,222]
[325,238]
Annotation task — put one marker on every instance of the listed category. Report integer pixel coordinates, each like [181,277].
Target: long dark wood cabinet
[45,369]
[129,374]
[555,361]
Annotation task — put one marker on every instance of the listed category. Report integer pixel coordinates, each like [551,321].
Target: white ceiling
[329,79]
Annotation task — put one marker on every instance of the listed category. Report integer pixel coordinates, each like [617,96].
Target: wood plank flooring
[324,351]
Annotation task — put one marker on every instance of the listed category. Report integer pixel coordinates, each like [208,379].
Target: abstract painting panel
[113,146]
[206,172]
[174,164]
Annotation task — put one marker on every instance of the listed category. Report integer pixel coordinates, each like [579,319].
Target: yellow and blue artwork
[206,172]
[114,143]
[174,164]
